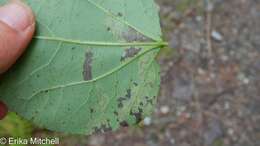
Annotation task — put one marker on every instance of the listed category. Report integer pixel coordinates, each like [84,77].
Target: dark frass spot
[108,28]
[137,115]
[149,100]
[103,128]
[130,52]
[119,14]
[135,84]
[97,130]
[126,97]
[120,105]
[87,68]
[106,128]
[116,113]
[124,124]
[91,110]
[121,99]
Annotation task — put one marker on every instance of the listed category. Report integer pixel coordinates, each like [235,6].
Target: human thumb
[16,30]
[17,26]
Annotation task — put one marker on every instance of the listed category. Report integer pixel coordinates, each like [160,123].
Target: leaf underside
[90,67]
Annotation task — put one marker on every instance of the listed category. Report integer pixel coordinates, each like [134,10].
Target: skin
[17,26]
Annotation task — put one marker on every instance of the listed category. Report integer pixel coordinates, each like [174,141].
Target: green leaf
[90,67]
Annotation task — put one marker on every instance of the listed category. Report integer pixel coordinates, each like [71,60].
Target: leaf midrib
[97,78]
[154,44]
[99,43]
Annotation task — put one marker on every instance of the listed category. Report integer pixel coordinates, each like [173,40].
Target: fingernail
[16,15]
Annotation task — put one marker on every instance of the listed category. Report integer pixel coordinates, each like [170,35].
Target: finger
[3,110]
[16,30]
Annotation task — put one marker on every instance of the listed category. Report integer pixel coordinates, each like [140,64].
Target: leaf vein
[120,20]
[98,43]
[97,78]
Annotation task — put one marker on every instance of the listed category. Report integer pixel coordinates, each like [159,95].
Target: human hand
[17,25]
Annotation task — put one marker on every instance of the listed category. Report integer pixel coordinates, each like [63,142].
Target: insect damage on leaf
[130,35]
[123,32]
[87,68]
[103,128]
[130,52]
[119,14]
[138,115]
[122,99]
[149,100]
[124,124]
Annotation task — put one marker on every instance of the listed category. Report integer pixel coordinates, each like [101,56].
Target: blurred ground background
[210,93]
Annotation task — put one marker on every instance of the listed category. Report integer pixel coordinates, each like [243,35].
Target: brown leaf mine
[131,52]
[87,68]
